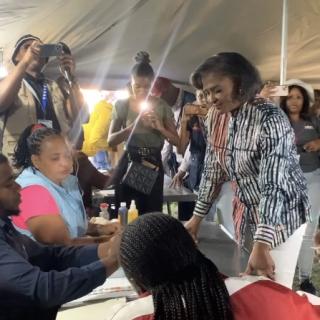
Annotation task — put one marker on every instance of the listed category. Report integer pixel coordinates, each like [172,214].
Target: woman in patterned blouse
[258,155]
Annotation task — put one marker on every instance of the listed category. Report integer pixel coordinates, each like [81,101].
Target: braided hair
[159,256]
[29,144]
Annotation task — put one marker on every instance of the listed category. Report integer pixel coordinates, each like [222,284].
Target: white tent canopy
[104,35]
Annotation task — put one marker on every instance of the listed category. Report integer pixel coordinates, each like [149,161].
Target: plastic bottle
[133,212]
[104,213]
[123,214]
[113,212]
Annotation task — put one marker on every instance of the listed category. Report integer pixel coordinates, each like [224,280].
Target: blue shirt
[35,279]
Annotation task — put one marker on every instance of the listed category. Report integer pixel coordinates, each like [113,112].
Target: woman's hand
[152,120]
[177,179]
[312,146]
[110,228]
[260,261]
[193,227]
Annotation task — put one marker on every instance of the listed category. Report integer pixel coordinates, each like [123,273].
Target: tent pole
[284,43]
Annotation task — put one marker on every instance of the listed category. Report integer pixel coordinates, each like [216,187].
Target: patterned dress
[255,149]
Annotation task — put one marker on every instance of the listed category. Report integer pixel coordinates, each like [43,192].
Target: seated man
[35,280]
[176,281]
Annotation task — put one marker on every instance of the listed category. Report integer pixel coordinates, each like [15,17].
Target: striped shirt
[255,149]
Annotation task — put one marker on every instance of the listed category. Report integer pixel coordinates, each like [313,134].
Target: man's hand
[260,261]
[108,252]
[177,179]
[193,227]
[32,54]
[312,146]
[67,63]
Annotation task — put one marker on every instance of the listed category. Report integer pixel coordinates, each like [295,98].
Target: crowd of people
[231,132]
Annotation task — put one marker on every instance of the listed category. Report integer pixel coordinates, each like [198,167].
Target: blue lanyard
[44,99]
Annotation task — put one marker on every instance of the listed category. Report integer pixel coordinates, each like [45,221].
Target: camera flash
[144,105]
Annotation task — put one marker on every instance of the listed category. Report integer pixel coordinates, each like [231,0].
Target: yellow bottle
[133,212]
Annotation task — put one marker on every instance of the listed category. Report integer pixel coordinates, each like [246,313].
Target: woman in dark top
[193,147]
[147,133]
[307,134]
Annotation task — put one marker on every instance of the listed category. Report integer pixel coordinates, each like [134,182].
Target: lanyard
[44,99]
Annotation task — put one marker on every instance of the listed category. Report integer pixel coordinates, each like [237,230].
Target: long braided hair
[159,256]
[29,144]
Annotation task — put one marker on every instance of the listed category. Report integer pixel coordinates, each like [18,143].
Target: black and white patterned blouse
[258,154]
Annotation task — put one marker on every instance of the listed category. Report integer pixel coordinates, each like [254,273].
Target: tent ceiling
[104,35]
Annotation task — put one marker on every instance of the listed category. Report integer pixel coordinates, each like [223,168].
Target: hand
[112,248]
[312,146]
[177,179]
[193,227]
[110,229]
[155,122]
[32,53]
[260,261]
[67,63]
[267,91]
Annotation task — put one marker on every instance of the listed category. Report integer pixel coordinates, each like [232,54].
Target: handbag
[141,176]
[138,175]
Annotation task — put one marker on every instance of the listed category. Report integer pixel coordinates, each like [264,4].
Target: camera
[279,91]
[51,50]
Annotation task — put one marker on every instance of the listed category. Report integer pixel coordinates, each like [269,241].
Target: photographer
[193,146]
[27,96]
[146,130]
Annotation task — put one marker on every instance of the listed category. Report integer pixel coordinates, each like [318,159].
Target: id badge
[47,123]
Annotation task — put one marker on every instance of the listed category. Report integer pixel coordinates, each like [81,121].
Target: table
[214,242]
[169,195]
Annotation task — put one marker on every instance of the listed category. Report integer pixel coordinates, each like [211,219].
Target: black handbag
[141,176]
[138,175]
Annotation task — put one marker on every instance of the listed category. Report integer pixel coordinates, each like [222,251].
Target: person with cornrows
[51,209]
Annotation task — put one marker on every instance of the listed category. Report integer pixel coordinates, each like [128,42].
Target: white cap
[123,204]
[133,204]
[306,86]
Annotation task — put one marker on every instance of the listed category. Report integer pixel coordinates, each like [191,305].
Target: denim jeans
[306,257]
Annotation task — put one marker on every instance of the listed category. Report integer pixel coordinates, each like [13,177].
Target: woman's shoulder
[28,177]
[121,108]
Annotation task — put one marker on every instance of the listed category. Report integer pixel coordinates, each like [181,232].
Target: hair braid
[159,255]
[29,144]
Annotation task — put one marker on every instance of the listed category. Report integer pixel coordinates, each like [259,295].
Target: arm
[167,128]
[26,284]
[75,103]
[88,174]
[44,221]
[212,179]
[52,230]
[116,134]
[183,169]
[184,134]
[10,85]
[276,143]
